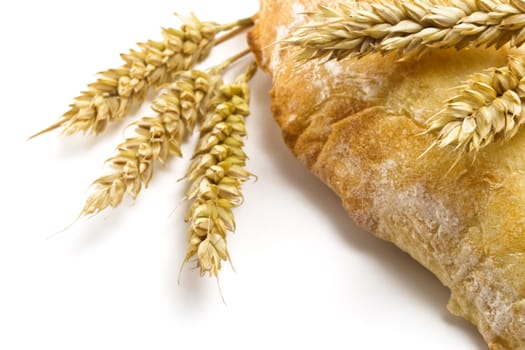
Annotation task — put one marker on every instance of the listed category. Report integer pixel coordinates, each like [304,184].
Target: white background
[305,275]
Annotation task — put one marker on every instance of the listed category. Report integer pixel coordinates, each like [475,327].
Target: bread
[357,125]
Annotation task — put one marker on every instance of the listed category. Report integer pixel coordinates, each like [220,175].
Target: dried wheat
[178,109]
[216,175]
[116,91]
[155,138]
[489,108]
[409,27]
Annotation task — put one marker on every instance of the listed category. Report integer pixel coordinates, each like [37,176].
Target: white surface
[305,276]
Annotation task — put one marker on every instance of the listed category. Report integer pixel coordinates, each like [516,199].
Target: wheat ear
[155,138]
[116,91]
[489,108]
[409,27]
[216,174]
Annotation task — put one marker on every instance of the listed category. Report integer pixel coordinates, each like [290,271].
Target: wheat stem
[216,174]
[238,27]
[409,27]
[116,91]
[229,61]
[489,108]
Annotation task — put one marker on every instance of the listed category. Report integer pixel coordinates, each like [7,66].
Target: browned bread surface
[357,125]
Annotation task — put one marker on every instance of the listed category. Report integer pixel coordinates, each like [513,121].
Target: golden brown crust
[356,125]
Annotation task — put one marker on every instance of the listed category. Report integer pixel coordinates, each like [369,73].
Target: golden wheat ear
[408,27]
[216,175]
[179,107]
[154,139]
[488,108]
[118,90]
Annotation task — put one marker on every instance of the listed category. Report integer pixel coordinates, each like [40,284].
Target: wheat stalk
[178,109]
[216,174]
[489,108]
[409,27]
[116,91]
[155,138]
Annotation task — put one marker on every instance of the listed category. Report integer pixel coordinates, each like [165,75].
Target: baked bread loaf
[357,125]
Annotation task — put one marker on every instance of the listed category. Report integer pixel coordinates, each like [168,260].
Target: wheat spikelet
[116,91]
[216,174]
[155,138]
[409,27]
[178,109]
[489,108]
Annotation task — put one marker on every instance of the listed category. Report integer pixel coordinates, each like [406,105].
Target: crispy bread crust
[356,124]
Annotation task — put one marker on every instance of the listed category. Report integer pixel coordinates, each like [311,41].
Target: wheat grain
[409,27]
[155,138]
[116,91]
[178,109]
[489,108]
[216,174]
